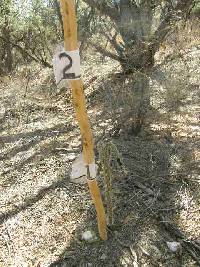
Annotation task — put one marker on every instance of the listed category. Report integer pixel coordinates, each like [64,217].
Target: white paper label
[66,65]
[79,170]
[93,170]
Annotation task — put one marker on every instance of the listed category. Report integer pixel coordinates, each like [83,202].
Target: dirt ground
[157,200]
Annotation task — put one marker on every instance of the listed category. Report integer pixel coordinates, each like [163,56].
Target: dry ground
[43,215]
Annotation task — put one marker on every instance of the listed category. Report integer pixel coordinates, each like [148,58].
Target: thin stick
[70,44]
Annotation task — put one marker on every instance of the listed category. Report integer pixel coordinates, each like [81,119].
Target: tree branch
[106,52]
[23,51]
[104,8]
[181,9]
[112,40]
[57,9]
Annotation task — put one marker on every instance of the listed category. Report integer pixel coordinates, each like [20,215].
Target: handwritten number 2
[66,68]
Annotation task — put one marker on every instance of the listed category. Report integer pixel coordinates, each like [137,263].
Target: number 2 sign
[66,66]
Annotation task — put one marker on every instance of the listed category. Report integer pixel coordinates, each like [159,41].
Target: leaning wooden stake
[71,44]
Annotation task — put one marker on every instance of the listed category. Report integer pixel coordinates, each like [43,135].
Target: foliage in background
[135,30]
[28,28]
[128,31]
[138,28]
[29,31]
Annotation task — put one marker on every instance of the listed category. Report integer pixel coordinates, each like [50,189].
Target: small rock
[71,156]
[103,257]
[174,246]
[88,236]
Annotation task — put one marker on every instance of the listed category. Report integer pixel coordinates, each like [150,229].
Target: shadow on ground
[161,191]
[147,207]
[157,201]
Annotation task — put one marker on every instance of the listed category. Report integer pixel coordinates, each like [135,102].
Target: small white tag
[79,171]
[66,65]
[93,170]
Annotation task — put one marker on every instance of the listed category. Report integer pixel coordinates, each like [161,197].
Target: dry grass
[43,214]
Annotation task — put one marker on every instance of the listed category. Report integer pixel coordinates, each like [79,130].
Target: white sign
[79,171]
[66,65]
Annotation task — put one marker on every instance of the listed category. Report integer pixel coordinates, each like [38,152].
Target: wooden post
[71,44]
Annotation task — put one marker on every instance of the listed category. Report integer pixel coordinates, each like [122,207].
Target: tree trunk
[134,26]
[139,57]
[142,102]
[142,25]
[7,47]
